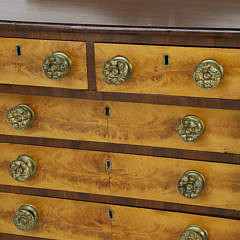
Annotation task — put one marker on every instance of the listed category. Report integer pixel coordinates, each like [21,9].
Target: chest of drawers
[119,120]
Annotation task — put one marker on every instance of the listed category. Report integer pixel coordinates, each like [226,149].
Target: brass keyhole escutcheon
[194,233]
[22,168]
[190,128]
[26,218]
[208,74]
[20,117]
[117,70]
[57,65]
[191,184]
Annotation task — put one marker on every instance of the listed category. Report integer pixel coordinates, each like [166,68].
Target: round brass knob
[191,184]
[190,128]
[57,65]
[22,168]
[208,74]
[117,70]
[26,218]
[194,233]
[20,117]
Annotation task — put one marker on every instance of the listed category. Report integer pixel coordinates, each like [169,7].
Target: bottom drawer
[67,219]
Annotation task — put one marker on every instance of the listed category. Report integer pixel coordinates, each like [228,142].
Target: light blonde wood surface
[59,219]
[155,125]
[143,224]
[58,169]
[155,178]
[152,77]
[62,118]
[27,69]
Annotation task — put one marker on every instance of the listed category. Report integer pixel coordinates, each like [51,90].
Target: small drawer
[62,118]
[213,130]
[48,63]
[55,168]
[179,71]
[58,219]
[175,180]
[141,224]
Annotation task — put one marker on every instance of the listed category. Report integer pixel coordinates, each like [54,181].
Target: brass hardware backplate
[20,117]
[208,74]
[117,70]
[194,233]
[191,184]
[190,128]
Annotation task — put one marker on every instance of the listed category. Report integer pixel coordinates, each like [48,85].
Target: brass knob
[191,184]
[194,233]
[26,218]
[117,70]
[57,65]
[208,74]
[22,168]
[190,128]
[20,117]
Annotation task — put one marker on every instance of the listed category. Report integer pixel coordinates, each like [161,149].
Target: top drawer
[170,70]
[21,62]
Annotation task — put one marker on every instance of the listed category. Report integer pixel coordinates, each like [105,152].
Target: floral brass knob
[117,70]
[57,65]
[22,168]
[20,117]
[190,128]
[26,218]
[191,184]
[208,74]
[194,233]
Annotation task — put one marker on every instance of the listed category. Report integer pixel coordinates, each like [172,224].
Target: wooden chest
[119,120]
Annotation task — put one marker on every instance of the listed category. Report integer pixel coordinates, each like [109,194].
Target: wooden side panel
[142,224]
[155,125]
[58,169]
[27,69]
[151,76]
[59,219]
[155,178]
[62,118]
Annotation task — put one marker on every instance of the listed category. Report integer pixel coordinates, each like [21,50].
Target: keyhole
[18,51]
[166,60]
[107,111]
[108,165]
[110,214]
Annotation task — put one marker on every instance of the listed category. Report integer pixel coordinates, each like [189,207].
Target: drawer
[141,224]
[155,125]
[27,69]
[170,70]
[155,178]
[59,219]
[58,169]
[62,118]
[68,220]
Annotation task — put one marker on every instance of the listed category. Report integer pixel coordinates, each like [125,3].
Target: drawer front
[59,169]
[155,178]
[141,224]
[155,125]
[150,75]
[59,219]
[27,68]
[61,118]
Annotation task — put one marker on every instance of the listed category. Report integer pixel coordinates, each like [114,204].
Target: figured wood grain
[27,69]
[59,169]
[155,125]
[58,117]
[155,178]
[59,219]
[141,224]
[151,76]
